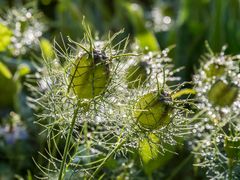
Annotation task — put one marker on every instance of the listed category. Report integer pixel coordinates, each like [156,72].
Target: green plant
[136,75]
[216,145]
[89,75]
[87,103]
[153,110]
[110,107]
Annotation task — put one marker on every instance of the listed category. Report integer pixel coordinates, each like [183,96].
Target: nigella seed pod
[215,69]
[153,110]
[90,75]
[148,148]
[222,94]
[136,75]
[232,147]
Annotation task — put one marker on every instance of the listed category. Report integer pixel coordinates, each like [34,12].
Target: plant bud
[90,75]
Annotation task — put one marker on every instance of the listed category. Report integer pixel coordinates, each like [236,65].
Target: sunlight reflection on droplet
[167,19]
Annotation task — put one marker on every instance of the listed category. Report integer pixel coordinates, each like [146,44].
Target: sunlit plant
[216,142]
[217,84]
[103,107]
[217,150]
[113,108]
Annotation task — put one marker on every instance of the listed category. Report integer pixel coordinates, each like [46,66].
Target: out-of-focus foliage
[8,88]
[47,49]
[5,35]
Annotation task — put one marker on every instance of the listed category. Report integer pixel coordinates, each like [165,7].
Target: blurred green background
[158,24]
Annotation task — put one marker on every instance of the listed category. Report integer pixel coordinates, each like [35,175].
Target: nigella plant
[105,103]
[217,84]
[217,144]
[218,152]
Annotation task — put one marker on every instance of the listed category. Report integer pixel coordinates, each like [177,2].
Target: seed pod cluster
[89,75]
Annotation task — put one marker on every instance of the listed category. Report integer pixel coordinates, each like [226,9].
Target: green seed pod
[153,110]
[136,75]
[148,148]
[90,75]
[222,94]
[232,147]
[215,69]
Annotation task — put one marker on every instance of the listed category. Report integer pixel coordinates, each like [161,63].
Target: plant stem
[66,148]
[119,144]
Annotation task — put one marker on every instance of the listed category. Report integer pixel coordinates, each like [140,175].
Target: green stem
[124,55]
[66,148]
[119,144]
